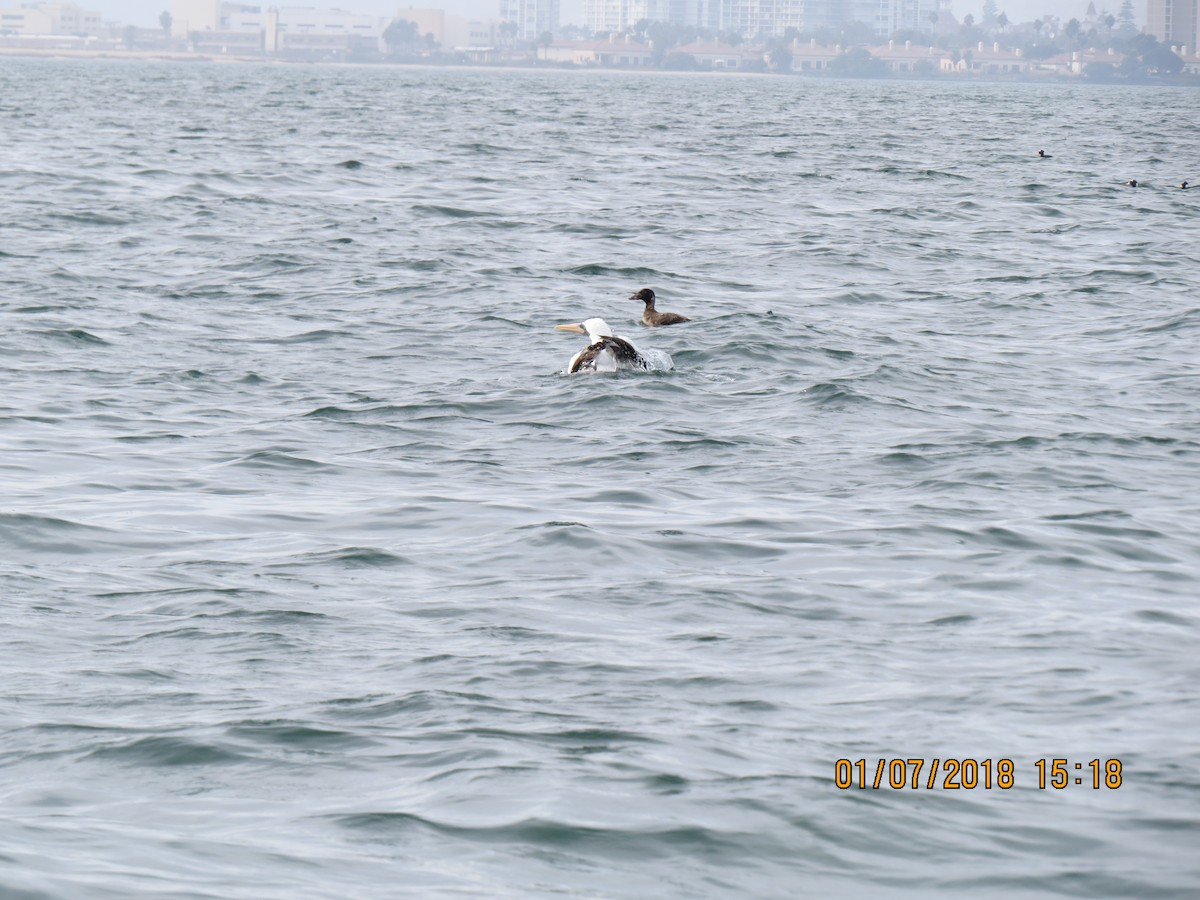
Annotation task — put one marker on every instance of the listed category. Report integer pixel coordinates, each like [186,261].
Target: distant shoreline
[160,55]
[191,57]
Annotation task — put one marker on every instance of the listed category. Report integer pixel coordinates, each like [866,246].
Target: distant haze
[145,13]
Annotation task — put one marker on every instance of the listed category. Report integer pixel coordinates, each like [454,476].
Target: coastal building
[607,52]
[222,27]
[1174,22]
[451,32]
[908,58]
[987,59]
[533,18]
[717,55]
[992,60]
[813,57]
[49,19]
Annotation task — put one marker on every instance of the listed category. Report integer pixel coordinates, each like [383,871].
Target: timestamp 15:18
[1057,773]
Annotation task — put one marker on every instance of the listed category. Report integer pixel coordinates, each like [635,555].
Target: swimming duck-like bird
[1132,182]
[1044,155]
[605,351]
[1183,185]
[653,317]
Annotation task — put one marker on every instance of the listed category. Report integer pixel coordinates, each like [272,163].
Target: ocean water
[320,579]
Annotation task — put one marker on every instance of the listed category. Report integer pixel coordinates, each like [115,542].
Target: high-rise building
[1174,22]
[766,18]
[533,18]
[888,16]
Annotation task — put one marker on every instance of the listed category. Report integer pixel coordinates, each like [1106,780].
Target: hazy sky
[146,12]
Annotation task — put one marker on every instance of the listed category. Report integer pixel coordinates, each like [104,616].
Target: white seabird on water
[605,352]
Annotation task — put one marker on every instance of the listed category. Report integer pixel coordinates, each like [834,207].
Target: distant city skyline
[145,13]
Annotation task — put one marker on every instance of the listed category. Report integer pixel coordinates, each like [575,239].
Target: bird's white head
[593,328]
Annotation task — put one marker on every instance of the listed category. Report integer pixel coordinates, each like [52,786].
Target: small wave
[47,534]
[623,844]
[277,459]
[1055,229]
[297,735]
[348,558]
[621,271]
[307,337]
[351,164]
[331,412]
[592,228]
[450,212]
[168,751]
[960,619]
[484,149]
[373,707]
[149,438]
[573,536]
[1163,617]
[88,218]
[830,393]
[77,336]
[1188,319]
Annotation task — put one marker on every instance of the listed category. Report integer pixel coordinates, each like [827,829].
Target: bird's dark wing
[624,352]
[587,359]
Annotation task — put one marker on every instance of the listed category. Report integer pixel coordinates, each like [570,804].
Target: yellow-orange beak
[577,328]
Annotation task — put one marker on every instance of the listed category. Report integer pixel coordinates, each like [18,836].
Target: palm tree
[545,39]
[779,58]
[164,22]
[401,35]
[1071,30]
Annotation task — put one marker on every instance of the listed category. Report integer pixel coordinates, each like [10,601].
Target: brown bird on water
[653,317]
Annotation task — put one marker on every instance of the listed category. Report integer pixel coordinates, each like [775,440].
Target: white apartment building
[607,16]
[888,16]
[766,18]
[532,17]
[603,16]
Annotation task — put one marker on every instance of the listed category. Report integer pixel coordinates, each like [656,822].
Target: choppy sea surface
[320,579]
